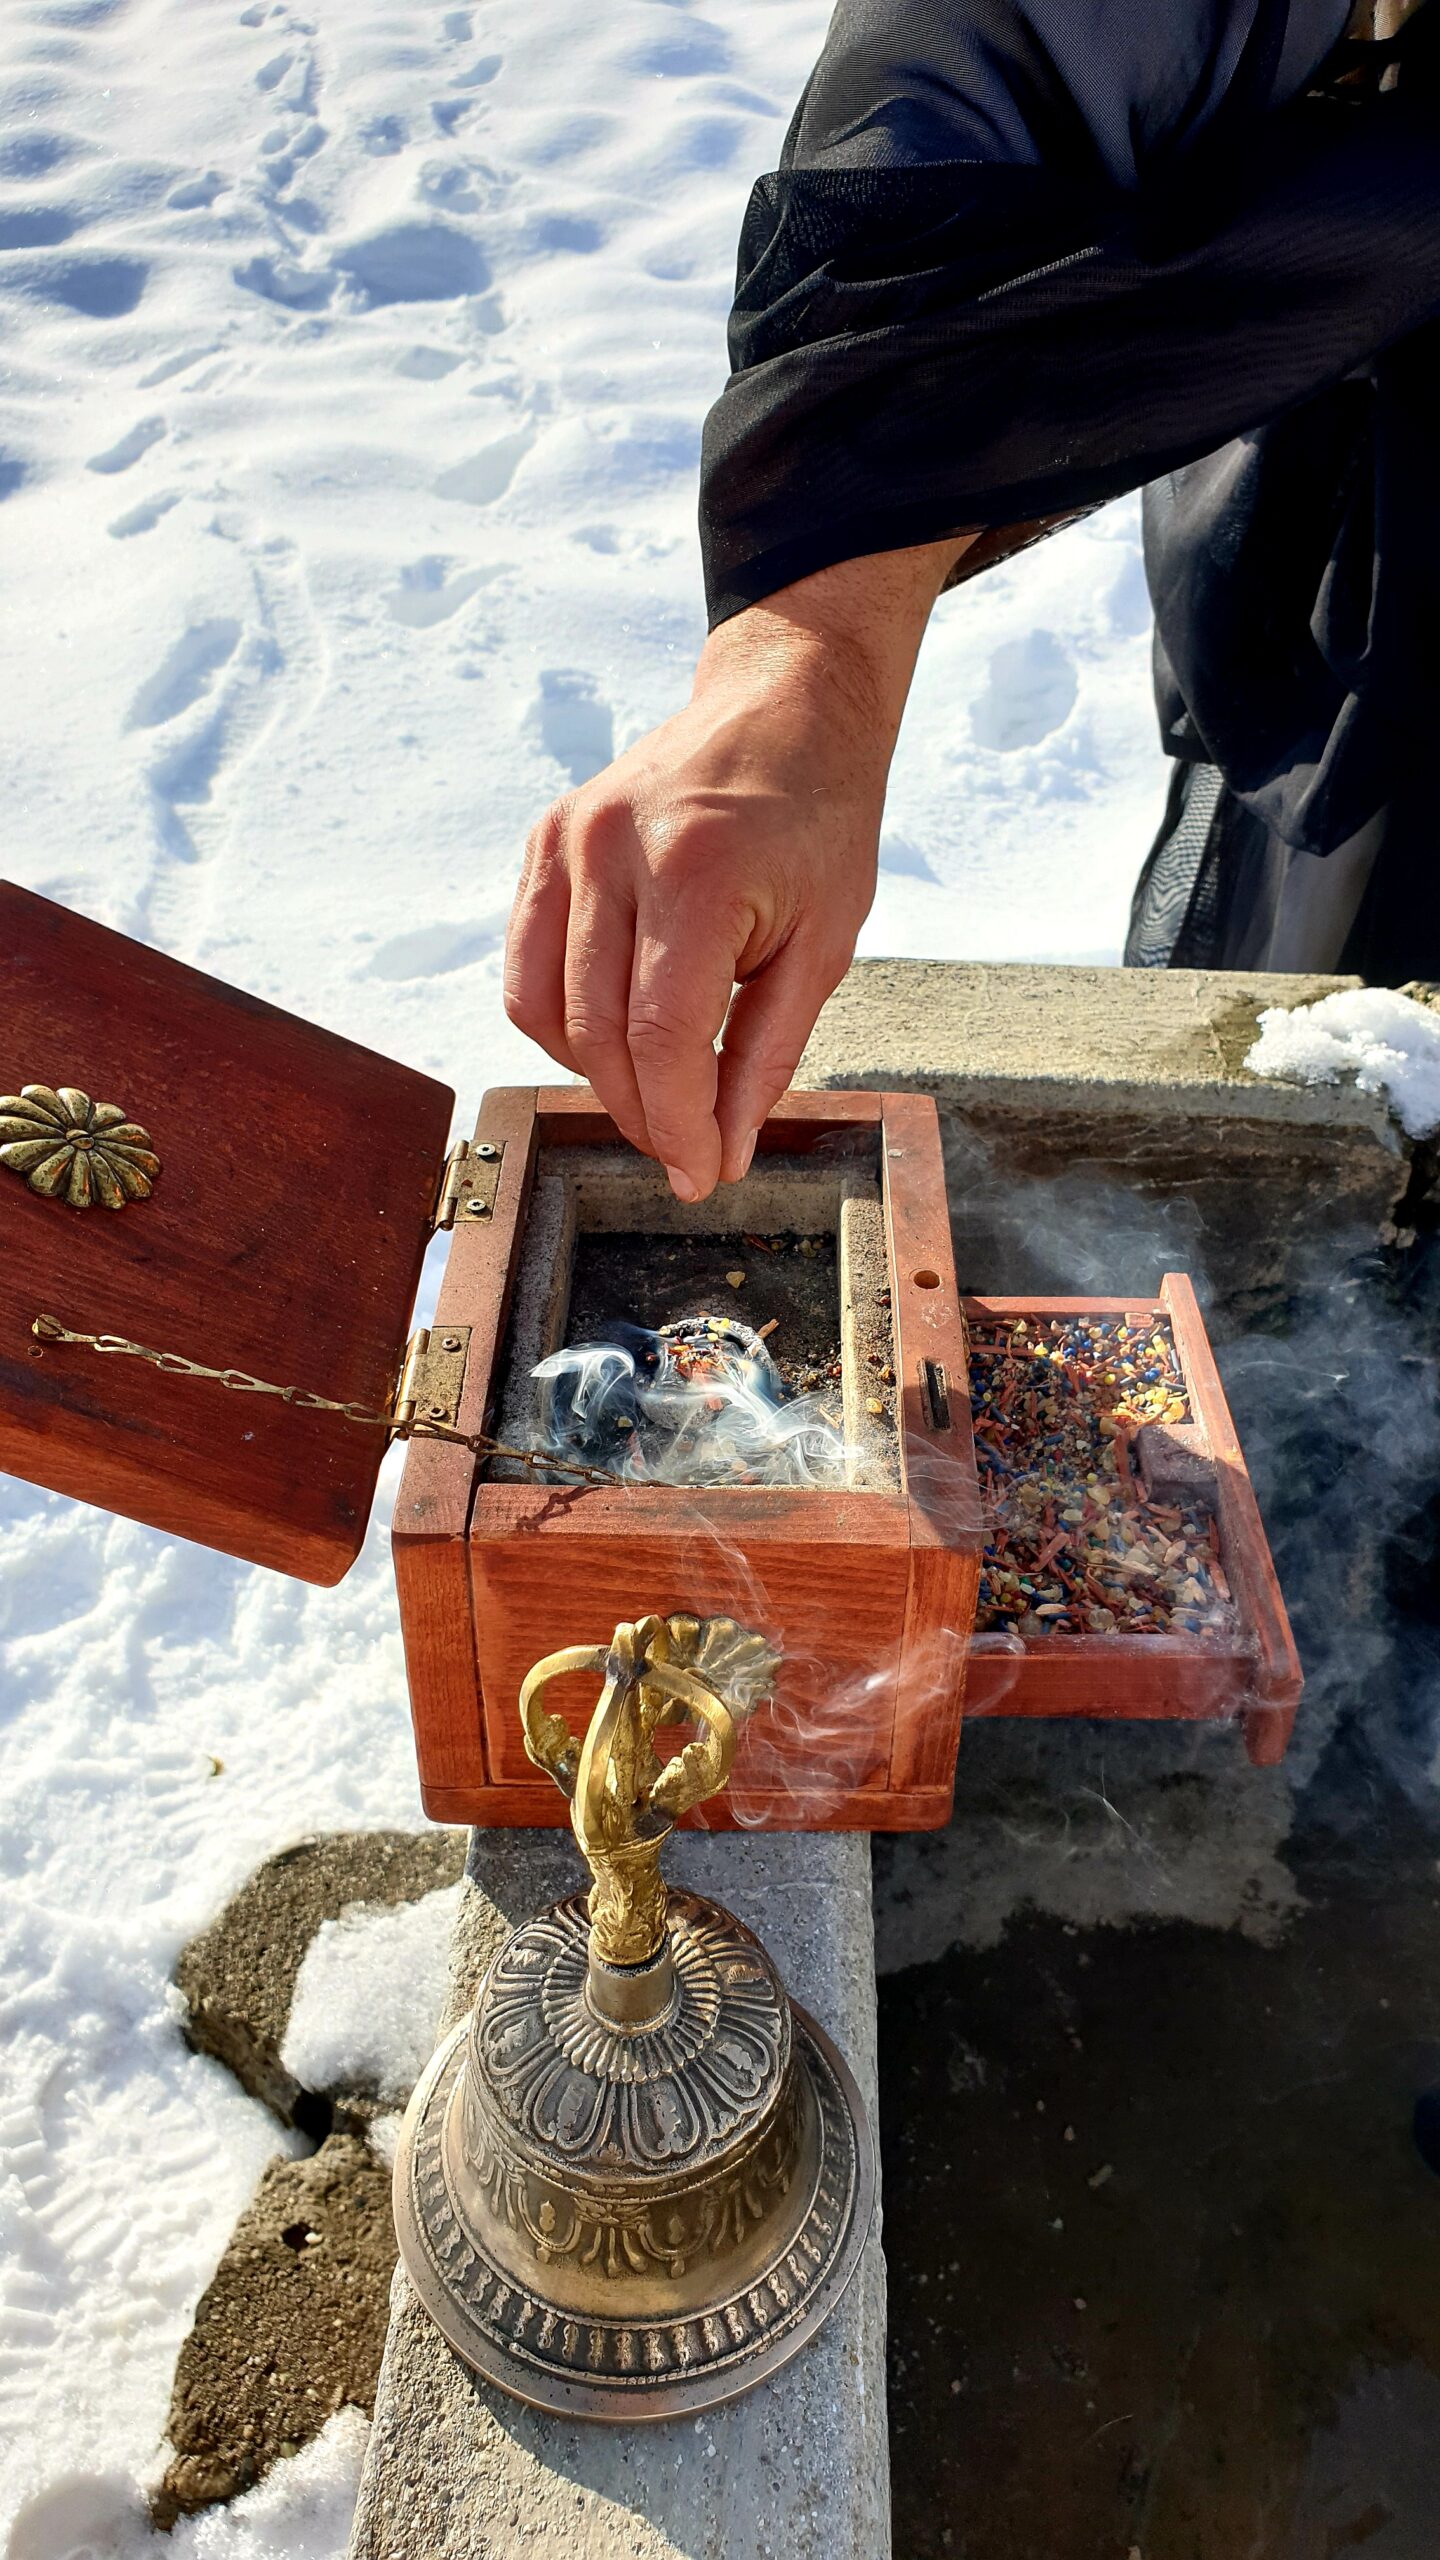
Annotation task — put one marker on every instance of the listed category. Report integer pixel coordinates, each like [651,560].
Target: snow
[369,1995]
[355,360]
[302,2511]
[1387,1042]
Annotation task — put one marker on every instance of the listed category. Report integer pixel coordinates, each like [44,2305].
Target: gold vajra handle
[624,1803]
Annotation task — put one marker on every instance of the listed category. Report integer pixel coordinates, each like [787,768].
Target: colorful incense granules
[1076,1545]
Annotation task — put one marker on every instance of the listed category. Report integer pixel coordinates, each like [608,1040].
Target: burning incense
[700,1402]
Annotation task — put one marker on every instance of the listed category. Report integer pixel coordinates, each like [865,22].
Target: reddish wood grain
[284,1238]
[437,1487]
[1146,1678]
[824,1577]
[532,1808]
[570,1116]
[1245,1551]
[937,1449]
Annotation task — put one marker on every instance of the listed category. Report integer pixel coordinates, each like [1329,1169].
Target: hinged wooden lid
[283,1237]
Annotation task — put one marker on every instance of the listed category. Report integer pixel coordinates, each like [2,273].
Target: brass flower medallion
[69,1148]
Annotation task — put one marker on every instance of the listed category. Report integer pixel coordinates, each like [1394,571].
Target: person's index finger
[771,1019]
[599,965]
[534,979]
[679,995]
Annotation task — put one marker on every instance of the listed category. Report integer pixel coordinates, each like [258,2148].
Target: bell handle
[703,1766]
[582,1769]
[549,1742]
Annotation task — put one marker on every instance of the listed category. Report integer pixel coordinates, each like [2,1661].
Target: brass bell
[636,2180]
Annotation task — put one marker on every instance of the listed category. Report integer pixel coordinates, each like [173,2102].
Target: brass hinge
[431,1380]
[468,1185]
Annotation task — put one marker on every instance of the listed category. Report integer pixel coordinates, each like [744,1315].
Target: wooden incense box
[868,1591]
[227,1352]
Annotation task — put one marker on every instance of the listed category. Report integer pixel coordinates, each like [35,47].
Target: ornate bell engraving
[637,2179]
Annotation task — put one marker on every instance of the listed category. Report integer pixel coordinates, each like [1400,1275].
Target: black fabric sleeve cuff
[919,353]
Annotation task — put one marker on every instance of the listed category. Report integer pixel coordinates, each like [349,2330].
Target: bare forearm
[857,626]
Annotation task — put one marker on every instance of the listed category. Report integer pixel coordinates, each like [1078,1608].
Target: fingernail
[681,1184]
[747,1152]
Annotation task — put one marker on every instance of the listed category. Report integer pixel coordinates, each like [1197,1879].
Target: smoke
[1338,1410]
[700,1402]
[1326,1332]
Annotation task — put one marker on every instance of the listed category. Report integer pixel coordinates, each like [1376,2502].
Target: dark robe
[1023,255]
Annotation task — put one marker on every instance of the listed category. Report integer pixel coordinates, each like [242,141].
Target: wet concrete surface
[1164,2257]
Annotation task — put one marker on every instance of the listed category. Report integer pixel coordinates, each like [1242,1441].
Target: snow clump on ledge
[1388,1042]
[369,1995]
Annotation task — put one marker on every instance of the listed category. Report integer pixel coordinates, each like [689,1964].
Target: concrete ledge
[1102,1122]
[799,2470]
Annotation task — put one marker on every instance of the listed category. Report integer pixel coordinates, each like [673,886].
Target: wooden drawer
[1256,1674]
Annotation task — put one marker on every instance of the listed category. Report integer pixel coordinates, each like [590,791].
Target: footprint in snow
[1031,692]
[35,226]
[414,262]
[35,154]
[575,723]
[569,234]
[903,860]
[487,474]
[98,288]
[136,441]
[457,26]
[453,188]
[427,364]
[434,950]
[196,195]
[145,517]
[282,280]
[186,672]
[703,142]
[481,73]
[283,153]
[180,363]
[427,594]
[694,47]
[383,136]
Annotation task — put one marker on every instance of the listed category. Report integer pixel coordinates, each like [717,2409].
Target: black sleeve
[1018,259]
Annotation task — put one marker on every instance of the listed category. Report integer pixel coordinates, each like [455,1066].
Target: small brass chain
[173,1364]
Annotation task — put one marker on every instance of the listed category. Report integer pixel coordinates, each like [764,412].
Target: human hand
[716,876]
